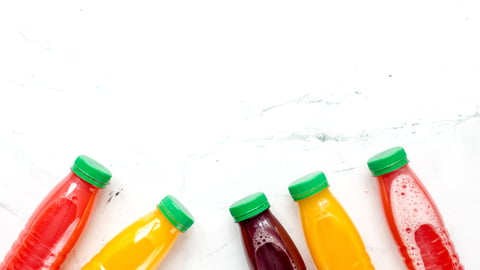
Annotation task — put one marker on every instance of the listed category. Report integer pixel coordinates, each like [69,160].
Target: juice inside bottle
[332,238]
[55,226]
[144,243]
[267,244]
[412,215]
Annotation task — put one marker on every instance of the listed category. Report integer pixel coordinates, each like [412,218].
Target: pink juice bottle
[56,225]
[412,215]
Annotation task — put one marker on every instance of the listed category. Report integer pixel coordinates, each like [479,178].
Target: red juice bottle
[268,245]
[412,215]
[55,226]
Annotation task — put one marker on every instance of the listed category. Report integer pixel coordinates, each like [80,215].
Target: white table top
[211,101]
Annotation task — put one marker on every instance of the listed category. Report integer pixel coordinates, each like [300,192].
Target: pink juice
[412,215]
[57,223]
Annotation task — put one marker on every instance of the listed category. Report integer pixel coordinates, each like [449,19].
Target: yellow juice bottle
[144,243]
[333,240]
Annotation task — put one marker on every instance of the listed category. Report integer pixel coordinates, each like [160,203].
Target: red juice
[55,226]
[412,215]
[267,244]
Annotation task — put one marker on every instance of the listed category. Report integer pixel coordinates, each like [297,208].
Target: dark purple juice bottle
[268,245]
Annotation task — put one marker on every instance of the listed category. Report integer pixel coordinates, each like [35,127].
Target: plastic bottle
[412,215]
[333,240]
[268,245]
[144,243]
[55,226]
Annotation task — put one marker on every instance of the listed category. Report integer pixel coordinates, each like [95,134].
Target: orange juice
[332,238]
[144,243]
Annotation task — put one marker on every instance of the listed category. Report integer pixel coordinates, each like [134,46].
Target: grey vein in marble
[36,43]
[11,210]
[308,99]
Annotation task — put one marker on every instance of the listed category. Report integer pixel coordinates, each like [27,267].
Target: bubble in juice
[267,245]
[420,228]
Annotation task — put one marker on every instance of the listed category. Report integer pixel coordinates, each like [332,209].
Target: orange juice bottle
[144,243]
[332,238]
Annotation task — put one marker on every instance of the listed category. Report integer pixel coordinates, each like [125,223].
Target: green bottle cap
[249,206]
[387,161]
[91,171]
[308,185]
[176,213]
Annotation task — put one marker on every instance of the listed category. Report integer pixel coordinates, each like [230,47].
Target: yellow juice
[143,244]
[332,238]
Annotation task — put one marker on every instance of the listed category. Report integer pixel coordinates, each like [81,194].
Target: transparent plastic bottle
[55,226]
[267,243]
[332,238]
[412,215]
[144,243]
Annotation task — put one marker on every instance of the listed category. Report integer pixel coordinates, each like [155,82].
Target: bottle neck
[72,177]
[315,197]
[75,177]
[164,220]
[263,217]
[405,169]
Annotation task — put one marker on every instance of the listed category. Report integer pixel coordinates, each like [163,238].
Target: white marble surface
[213,100]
